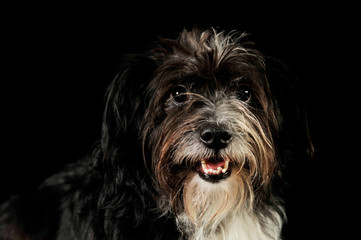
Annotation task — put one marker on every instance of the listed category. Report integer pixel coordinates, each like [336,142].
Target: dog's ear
[294,137]
[119,159]
[125,105]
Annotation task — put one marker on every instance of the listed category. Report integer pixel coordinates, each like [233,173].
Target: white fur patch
[215,212]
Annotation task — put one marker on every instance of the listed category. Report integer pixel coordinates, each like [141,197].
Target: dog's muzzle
[215,168]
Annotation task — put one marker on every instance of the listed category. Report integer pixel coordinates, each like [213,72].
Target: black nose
[215,138]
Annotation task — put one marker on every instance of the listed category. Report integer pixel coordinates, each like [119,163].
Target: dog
[197,137]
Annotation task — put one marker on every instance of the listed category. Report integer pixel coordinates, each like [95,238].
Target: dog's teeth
[226,165]
[204,167]
[218,170]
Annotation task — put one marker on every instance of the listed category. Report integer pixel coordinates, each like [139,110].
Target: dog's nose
[215,138]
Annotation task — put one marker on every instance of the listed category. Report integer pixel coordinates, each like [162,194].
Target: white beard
[216,211]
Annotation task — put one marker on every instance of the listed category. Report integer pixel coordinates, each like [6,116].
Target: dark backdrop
[58,59]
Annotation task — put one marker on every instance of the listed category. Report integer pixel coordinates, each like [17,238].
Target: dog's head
[210,116]
[199,112]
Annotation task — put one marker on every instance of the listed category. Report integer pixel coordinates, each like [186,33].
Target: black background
[58,59]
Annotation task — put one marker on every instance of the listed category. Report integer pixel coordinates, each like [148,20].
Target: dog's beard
[178,153]
[206,204]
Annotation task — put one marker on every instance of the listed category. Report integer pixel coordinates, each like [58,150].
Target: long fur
[141,180]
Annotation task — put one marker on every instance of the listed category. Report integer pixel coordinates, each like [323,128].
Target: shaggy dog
[197,134]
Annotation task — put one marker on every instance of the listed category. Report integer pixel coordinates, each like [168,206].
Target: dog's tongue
[215,165]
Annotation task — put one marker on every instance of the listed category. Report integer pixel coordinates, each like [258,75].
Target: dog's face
[210,124]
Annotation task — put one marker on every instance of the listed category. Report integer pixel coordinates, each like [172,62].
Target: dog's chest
[237,227]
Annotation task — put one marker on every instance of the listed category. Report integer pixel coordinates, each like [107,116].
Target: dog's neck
[222,211]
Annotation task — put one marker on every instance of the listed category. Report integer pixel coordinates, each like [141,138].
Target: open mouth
[214,169]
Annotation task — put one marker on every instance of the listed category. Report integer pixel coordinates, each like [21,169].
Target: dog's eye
[179,94]
[244,94]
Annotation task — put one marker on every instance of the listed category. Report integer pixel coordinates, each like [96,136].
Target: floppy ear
[126,184]
[125,106]
[294,138]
